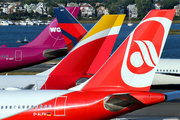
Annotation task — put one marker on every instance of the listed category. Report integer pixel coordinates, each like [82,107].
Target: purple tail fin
[51,36]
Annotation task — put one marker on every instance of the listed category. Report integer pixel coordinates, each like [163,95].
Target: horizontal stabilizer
[29,87]
[3,45]
[172,95]
[50,53]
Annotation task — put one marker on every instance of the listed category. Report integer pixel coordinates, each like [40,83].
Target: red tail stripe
[100,57]
[68,42]
[161,13]
[75,29]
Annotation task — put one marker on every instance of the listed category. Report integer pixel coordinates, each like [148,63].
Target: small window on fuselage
[45,106]
[41,106]
[49,106]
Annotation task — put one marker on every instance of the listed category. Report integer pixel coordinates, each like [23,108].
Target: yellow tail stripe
[106,22]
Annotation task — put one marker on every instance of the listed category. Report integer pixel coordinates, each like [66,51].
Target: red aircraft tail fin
[82,55]
[133,64]
[93,48]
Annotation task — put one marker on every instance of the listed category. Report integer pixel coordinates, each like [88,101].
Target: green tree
[32,13]
[109,2]
[51,4]
[51,11]
[169,4]
[37,14]
[127,2]
[46,1]
[26,13]
[79,15]
[28,2]
[113,7]
[143,6]
[11,17]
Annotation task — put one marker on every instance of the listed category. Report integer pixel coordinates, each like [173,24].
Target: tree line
[144,6]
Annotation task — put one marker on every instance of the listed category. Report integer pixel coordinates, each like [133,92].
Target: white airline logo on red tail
[143,50]
[150,58]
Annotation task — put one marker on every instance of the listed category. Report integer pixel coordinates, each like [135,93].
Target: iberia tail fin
[51,36]
[133,64]
[71,29]
[82,55]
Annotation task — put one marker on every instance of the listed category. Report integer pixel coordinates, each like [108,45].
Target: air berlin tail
[133,64]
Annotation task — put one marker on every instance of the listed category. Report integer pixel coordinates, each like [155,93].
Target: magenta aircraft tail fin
[133,64]
[51,36]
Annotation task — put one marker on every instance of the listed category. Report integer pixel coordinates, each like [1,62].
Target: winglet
[70,27]
[172,95]
[133,64]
